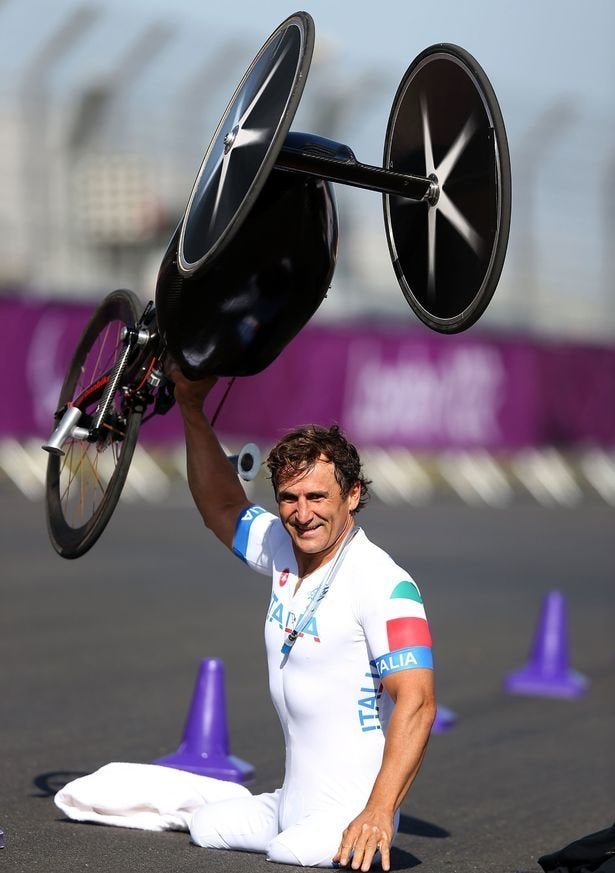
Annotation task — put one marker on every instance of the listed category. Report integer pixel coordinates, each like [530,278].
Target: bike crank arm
[66,429]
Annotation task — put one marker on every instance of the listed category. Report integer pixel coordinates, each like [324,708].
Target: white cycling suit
[327,692]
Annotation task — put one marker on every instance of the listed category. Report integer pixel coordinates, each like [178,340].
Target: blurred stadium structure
[102,129]
[103,123]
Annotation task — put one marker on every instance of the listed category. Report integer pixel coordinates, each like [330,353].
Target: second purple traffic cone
[547,673]
[444,721]
[205,746]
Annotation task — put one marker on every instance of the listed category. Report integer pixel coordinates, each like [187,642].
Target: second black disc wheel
[448,250]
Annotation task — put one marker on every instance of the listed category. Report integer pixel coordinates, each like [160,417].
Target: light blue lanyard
[321,591]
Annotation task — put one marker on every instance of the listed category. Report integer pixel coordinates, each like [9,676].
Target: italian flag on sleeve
[408,634]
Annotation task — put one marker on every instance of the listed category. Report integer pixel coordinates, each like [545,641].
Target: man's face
[314,512]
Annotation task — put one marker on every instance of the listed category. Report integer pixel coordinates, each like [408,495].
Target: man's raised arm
[215,487]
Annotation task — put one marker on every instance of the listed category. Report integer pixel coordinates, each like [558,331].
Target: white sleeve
[393,618]
[258,536]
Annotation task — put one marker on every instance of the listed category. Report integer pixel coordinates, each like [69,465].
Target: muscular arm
[214,485]
[408,733]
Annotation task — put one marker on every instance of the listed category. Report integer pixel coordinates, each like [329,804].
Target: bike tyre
[68,540]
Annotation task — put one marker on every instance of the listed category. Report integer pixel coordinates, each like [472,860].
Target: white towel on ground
[144,796]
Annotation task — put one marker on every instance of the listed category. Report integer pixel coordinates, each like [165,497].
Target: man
[348,648]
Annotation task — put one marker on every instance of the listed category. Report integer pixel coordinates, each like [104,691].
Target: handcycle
[254,254]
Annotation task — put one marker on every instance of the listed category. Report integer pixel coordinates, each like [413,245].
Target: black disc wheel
[448,249]
[246,143]
[84,484]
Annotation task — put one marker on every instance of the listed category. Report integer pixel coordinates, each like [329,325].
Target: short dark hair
[301,448]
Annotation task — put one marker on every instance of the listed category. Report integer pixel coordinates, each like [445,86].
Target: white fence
[399,477]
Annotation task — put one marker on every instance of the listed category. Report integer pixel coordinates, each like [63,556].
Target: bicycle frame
[141,375]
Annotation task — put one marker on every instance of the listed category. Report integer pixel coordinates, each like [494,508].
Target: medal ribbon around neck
[321,591]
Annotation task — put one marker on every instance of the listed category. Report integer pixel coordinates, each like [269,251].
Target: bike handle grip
[247,462]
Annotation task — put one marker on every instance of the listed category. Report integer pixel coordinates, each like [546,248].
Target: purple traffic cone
[547,672]
[445,719]
[205,748]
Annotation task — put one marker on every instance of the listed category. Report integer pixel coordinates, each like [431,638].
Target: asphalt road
[99,656]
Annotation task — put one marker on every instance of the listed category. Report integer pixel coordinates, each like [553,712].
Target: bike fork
[68,426]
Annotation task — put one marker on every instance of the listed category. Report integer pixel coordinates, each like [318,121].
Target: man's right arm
[215,487]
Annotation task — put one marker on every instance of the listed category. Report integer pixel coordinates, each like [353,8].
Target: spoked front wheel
[85,478]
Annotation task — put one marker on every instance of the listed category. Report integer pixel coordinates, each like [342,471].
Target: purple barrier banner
[384,385]
[38,340]
[389,388]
